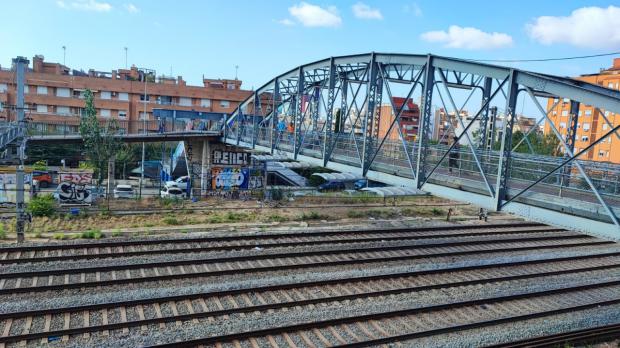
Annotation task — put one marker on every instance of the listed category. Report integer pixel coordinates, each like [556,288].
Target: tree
[100,143]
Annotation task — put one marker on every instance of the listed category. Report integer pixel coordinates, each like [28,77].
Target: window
[123,96]
[185,101]
[601,153]
[63,110]
[554,113]
[578,125]
[41,90]
[106,95]
[78,93]
[205,103]
[231,86]
[224,103]
[122,114]
[586,126]
[580,112]
[105,113]
[606,113]
[41,108]
[584,138]
[604,126]
[562,125]
[63,92]
[144,116]
[26,89]
[588,112]
[610,85]
[565,100]
[564,112]
[142,97]
[3,87]
[165,100]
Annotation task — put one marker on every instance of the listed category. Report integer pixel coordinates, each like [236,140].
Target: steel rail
[260,236]
[201,249]
[595,334]
[412,311]
[217,259]
[177,276]
[278,305]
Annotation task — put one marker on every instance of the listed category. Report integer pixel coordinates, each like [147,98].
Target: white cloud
[363,11]
[468,38]
[590,27]
[85,5]
[131,8]
[315,16]
[286,22]
[413,8]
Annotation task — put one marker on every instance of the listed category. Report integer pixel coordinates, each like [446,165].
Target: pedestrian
[291,131]
[281,127]
[453,158]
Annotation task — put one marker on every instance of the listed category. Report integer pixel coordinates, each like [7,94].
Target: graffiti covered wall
[73,188]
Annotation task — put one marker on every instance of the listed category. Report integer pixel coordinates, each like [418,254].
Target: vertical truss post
[425,121]
[484,117]
[372,117]
[571,134]
[329,113]
[274,114]
[239,125]
[491,129]
[254,123]
[299,112]
[503,166]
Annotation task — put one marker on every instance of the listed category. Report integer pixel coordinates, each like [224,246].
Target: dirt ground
[152,213]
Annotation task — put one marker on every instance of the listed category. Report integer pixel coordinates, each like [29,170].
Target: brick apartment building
[409,120]
[591,124]
[54,94]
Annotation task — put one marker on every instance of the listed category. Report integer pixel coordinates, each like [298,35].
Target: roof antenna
[236,70]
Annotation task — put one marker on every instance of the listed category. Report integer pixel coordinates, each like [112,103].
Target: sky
[266,38]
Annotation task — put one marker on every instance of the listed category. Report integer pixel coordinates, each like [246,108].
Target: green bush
[42,205]
[171,220]
[437,211]
[276,218]
[60,236]
[313,215]
[117,233]
[92,234]
[2,232]
[277,194]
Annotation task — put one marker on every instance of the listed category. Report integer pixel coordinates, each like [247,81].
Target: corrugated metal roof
[339,176]
[392,191]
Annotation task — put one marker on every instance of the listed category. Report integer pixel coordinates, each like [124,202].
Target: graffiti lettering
[69,192]
[76,178]
[231,158]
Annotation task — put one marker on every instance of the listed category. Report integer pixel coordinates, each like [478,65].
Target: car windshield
[174,191]
[125,189]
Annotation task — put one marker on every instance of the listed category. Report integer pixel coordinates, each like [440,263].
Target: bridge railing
[123,127]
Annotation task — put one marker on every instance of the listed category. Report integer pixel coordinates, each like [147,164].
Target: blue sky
[265,38]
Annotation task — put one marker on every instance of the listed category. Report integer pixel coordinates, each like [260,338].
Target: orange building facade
[409,120]
[54,93]
[591,121]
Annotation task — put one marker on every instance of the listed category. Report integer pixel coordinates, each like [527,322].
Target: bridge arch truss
[343,113]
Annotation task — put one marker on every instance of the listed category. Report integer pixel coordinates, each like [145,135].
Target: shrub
[2,232]
[117,233]
[60,236]
[233,217]
[437,211]
[277,194]
[42,205]
[92,234]
[276,218]
[356,214]
[313,215]
[171,220]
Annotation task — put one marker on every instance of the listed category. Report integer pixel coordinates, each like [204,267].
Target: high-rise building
[591,120]
[54,94]
[409,119]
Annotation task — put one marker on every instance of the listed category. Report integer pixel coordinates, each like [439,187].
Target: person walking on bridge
[453,157]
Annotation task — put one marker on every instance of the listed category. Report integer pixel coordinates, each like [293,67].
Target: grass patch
[3,233]
[313,215]
[171,220]
[92,234]
[60,236]
[117,233]
[276,218]
[373,213]
[437,211]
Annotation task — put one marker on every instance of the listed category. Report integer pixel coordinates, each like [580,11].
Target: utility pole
[144,130]
[125,57]
[20,66]
[236,71]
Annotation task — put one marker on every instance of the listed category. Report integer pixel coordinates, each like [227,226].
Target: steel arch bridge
[329,113]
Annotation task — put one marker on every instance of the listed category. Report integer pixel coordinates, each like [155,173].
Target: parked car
[180,182]
[331,186]
[43,179]
[360,184]
[124,191]
[171,192]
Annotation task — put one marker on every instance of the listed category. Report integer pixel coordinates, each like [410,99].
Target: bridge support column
[425,121]
[484,117]
[204,167]
[299,112]
[503,166]
[373,114]
[274,115]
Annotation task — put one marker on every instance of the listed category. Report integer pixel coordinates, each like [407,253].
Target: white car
[180,182]
[123,191]
[171,192]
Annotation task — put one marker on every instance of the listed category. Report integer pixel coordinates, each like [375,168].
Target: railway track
[60,323]
[130,248]
[585,337]
[378,328]
[109,275]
